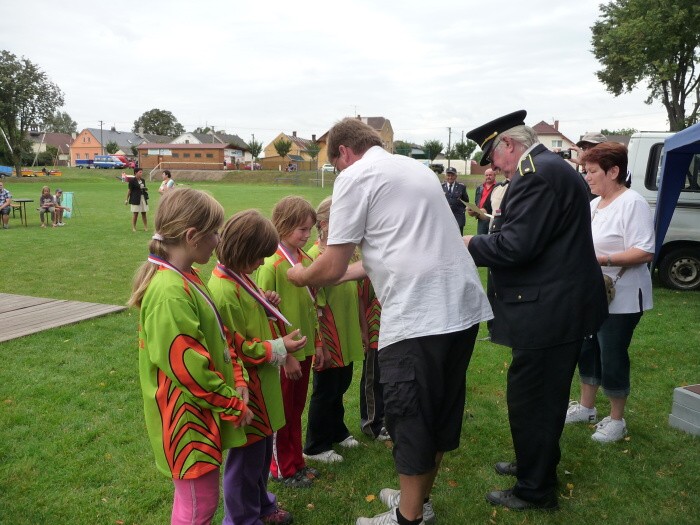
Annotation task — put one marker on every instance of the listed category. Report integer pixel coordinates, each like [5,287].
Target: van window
[653,172]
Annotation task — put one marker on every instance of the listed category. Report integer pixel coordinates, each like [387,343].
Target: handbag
[610,284]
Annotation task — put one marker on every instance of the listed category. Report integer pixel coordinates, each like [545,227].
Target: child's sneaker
[349,442]
[279,517]
[609,432]
[383,435]
[392,497]
[329,456]
[577,413]
[297,481]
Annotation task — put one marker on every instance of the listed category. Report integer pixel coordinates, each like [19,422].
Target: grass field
[73,442]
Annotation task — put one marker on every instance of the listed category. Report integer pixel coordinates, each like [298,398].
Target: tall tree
[312,150]
[112,147]
[432,148]
[282,146]
[60,122]
[27,98]
[255,148]
[653,40]
[464,150]
[158,122]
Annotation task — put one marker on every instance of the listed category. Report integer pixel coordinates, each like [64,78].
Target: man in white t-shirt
[394,208]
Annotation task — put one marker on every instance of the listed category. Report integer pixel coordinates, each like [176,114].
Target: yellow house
[380,124]
[298,154]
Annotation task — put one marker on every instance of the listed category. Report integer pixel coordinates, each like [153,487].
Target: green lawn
[73,442]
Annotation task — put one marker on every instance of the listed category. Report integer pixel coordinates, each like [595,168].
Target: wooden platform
[21,315]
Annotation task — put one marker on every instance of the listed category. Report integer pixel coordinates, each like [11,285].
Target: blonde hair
[290,213]
[179,210]
[323,214]
[245,238]
[45,189]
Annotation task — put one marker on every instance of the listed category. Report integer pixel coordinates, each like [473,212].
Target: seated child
[46,205]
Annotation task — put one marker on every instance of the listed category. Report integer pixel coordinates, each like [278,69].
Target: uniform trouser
[246,498]
[539,381]
[326,424]
[286,456]
[371,395]
[482,226]
[461,221]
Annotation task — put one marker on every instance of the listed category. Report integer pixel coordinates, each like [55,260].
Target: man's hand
[295,275]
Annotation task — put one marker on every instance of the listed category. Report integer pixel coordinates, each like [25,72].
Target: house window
[77,156]
[176,155]
[187,141]
[557,143]
[210,155]
[186,155]
[197,155]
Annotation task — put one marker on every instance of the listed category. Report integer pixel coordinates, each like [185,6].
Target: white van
[679,258]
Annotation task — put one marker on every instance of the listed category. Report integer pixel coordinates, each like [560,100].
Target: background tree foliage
[158,122]
[464,150]
[111,147]
[627,132]
[282,147]
[432,148]
[60,122]
[255,148]
[27,97]
[657,41]
[402,148]
[312,151]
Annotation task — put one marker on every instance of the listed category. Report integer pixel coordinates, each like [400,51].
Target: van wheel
[680,269]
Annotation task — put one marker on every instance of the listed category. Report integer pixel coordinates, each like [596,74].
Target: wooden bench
[293,178]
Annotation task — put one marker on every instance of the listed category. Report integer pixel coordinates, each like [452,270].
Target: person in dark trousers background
[456,194]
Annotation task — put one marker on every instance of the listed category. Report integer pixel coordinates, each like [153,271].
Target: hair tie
[157,237]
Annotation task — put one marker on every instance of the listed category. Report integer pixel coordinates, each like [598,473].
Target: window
[653,173]
[210,155]
[197,155]
[557,143]
[186,155]
[176,155]
[77,156]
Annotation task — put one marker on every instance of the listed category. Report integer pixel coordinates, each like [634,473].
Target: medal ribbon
[254,291]
[290,260]
[162,262]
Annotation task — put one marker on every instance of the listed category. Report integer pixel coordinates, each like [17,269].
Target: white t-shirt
[627,222]
[426,281]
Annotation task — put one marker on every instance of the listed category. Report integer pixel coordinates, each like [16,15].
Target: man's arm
[330,266]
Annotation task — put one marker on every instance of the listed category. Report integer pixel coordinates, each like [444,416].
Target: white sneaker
[392,497]
[613,430]
[388,518]
[349,442]
[383,435]
[61,224]
[329,456]
[577,413]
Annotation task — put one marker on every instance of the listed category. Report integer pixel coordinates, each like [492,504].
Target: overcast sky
[268,66]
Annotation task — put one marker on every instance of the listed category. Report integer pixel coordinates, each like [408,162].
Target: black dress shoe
[506,468]
[506,498]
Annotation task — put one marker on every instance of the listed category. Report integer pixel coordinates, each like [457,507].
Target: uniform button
[520,297]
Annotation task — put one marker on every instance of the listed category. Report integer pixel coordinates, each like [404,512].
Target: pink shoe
[279,517]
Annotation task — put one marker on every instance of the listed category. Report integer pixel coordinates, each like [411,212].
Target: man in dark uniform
[549,295]
[456,194]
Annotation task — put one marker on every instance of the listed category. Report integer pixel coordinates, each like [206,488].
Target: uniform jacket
[548,284]
[457,197]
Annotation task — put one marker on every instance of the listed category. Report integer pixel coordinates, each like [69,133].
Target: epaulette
[526,166]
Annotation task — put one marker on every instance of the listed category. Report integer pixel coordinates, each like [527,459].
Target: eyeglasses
[496,143]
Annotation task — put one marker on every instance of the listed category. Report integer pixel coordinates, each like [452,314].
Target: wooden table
[22,209]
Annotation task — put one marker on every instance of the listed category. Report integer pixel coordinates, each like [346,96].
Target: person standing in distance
[456,194]
[429,318]
[549,295]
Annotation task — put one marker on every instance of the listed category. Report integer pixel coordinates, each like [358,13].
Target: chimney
[313,138]
[556,125]
[294,133]
[359,117]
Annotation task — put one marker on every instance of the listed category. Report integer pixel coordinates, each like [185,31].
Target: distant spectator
[482,200]
[137,196]
[5,205]
[46,205]
[588,141]
[456,195]
[58,208]
[167,183]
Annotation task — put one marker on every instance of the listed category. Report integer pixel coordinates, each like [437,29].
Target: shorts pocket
[400,390]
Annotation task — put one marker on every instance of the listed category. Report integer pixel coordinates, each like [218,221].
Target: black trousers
[371,395]
[461,220]
[539,382]
[325,424]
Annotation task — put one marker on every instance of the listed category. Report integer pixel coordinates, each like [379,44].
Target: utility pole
[102,142]
[449,139]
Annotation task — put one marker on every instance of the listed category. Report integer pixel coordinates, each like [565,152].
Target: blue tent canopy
[679,151]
